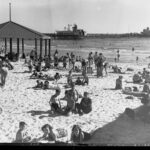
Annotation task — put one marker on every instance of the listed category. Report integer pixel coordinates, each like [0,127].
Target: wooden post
[41,40]
[17,48]
[22,46]
[10,41]
[49,48]
[45,47]
[5,45]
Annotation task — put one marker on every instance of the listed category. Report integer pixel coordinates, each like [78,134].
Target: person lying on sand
[119,83]
[21,135]
[85,106]
[79,136]
[137,78]
[70,103]
[117,69]
[3,74]
[55,108]
[48,134]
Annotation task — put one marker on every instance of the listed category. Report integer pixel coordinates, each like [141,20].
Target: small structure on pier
[14,31]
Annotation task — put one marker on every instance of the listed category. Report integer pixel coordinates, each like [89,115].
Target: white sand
[18,97]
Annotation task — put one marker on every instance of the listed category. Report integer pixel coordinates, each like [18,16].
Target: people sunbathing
[82,82]
[78,81]
[21,136]
[85,106]
[119,83]
[79,136]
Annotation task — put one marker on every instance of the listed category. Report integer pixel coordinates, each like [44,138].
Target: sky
[94,16]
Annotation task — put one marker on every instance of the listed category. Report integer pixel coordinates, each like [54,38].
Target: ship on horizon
[68,34]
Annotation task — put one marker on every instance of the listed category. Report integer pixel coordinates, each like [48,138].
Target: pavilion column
[45,47]
[49,48]
[36,46]
[10,41]
[5,45]
[41,41]
[17,48]
[22,46]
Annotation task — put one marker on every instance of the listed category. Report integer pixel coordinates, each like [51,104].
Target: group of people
[77,134]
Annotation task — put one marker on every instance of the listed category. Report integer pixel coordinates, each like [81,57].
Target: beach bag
[89,70]
[61,133]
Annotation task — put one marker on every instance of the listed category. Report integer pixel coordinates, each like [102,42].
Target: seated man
[85,106]
[46,85]
[55,108]
[85,80]
[137,78]
[78,81]
[21,136]
[70,103]
[119,83]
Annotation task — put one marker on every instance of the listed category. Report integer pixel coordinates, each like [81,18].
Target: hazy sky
[94,16]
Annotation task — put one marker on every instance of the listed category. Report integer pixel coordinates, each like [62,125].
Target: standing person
[56,59]
[65,62]
[95,59]
[137,59]
[73,61]
[84,67]
[90,59]
[118,56]
[3,74]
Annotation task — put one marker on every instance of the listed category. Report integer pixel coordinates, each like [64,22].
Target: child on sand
[55,108]
[46,85]
[85,80]
[21,136]
[78,81]
[79,136]
[119,83]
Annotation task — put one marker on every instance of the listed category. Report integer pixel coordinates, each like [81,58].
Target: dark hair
[76,126]
[22,123]
[57,90]
[46,126]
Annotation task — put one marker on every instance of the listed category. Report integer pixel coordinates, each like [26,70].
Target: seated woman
[79,136]
[85,106]
[48,134]
[85,80]
[78,81]
[46,85]
[119,83]
[137,78]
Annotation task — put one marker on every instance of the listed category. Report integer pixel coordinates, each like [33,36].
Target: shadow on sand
[124,130]
[22,72]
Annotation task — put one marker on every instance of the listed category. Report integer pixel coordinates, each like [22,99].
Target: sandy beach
[20,102]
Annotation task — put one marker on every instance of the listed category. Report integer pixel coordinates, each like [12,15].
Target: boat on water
[68,34]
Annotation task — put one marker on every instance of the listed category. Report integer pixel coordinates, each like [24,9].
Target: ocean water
[108,46]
